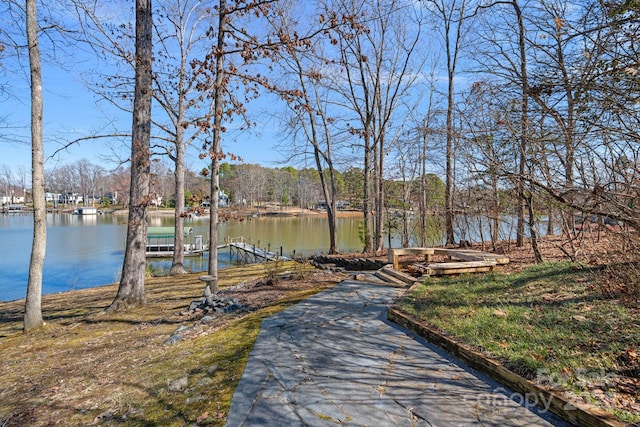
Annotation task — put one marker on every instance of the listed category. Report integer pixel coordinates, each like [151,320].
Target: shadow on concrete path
[334,359]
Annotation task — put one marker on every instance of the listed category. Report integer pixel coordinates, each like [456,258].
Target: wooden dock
[159,251]
[15,209]
[246,253]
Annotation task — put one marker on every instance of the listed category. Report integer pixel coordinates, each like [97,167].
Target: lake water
[88,251]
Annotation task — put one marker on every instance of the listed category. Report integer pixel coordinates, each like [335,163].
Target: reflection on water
[87,251]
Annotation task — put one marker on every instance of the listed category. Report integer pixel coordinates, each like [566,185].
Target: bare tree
[407,168]
[453,16]
[523,197]
[376,53]
[89,177]
[561,82]
[487,151]
[182,35]
[586,93]
[33,304]
[512,64]
[428,128]
[215,150]
[216,70]
[131,289]
[8,180]
[302,91]
[174,88]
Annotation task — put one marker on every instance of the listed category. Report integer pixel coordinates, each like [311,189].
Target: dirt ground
[263,292]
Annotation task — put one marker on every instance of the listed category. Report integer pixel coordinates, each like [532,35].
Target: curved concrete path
[334,359]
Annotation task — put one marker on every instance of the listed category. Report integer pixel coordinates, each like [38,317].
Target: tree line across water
[246,185]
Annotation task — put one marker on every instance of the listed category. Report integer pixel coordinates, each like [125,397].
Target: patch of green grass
[212,366]
[548,323]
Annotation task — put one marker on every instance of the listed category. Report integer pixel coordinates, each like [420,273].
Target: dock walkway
[248,253]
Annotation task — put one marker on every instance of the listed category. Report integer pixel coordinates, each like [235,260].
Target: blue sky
[72,111]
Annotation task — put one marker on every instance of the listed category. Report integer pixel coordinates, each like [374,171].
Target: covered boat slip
[160,242]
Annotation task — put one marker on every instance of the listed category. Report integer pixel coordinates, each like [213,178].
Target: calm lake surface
[88,251]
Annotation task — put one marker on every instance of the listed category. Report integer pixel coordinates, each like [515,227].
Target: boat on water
[85,210]
[161,240]
[14,208]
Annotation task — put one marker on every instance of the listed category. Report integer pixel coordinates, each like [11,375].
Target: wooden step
[394,279]
[394,254]
[443,268]
[472,255]
[461,254]
[399,275]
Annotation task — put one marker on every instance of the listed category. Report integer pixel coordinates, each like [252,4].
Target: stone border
[351,264]
[575,412]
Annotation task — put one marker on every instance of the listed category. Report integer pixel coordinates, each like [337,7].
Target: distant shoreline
[254,212]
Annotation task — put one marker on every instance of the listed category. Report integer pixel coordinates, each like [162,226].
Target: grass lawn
[550,323]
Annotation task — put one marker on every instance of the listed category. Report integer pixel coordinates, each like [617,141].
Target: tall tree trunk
[33,304]
[131,289]
[379,196]
[329,190]
[331,213]
[452,61]
[424,192]
[448,190]
[331,219]
[569,125]
[532,228]
[406,197]
[495,221]
[213,220]
[524,126]
[366,202]
[216,151]
[177,263]
[329,195]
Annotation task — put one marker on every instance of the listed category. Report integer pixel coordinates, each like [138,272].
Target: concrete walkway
[334,359]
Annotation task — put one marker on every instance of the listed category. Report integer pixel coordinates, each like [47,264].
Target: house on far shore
[223,201]
[13,196]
